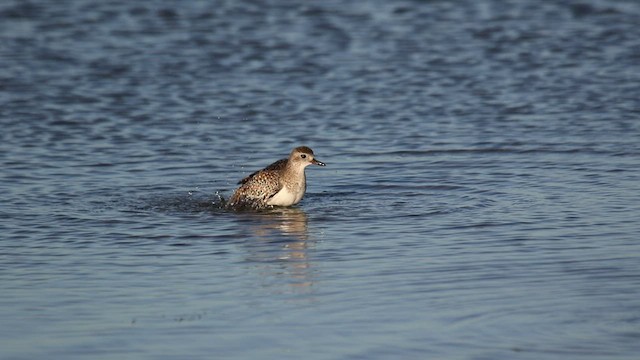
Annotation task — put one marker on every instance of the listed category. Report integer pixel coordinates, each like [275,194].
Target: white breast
[287,197]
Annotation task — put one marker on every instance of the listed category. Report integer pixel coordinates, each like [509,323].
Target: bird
[282,183]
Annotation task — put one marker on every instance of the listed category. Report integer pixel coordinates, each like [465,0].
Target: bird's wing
[256,190]
[258,187]
[275,166]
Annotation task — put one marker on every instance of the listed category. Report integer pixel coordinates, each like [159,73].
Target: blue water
[480,201]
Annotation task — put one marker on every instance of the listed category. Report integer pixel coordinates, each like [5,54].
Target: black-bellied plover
[282,183]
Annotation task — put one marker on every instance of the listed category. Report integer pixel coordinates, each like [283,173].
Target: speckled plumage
[282,183]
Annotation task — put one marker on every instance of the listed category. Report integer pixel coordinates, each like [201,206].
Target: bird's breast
[290,194]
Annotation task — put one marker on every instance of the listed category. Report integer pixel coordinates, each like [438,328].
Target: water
[481,198]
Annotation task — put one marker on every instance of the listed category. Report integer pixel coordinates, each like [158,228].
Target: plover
[282,183]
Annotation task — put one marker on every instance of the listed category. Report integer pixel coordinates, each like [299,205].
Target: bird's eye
[303,156]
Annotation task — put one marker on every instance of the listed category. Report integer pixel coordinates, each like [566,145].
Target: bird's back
[276,166]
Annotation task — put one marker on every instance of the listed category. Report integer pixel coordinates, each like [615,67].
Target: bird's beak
[319,163]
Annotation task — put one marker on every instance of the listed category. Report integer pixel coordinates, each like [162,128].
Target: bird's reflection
[290,222]
[281,247]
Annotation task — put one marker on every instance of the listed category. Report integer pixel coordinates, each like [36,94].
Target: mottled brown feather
[275,166]
[257,188]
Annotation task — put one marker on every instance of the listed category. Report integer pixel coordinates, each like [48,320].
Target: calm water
[481,199]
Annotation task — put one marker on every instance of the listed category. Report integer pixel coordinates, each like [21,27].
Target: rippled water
[481,198]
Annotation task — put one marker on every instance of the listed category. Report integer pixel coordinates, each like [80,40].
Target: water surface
[480,200]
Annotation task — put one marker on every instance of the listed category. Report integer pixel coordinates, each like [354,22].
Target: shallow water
[480,200]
